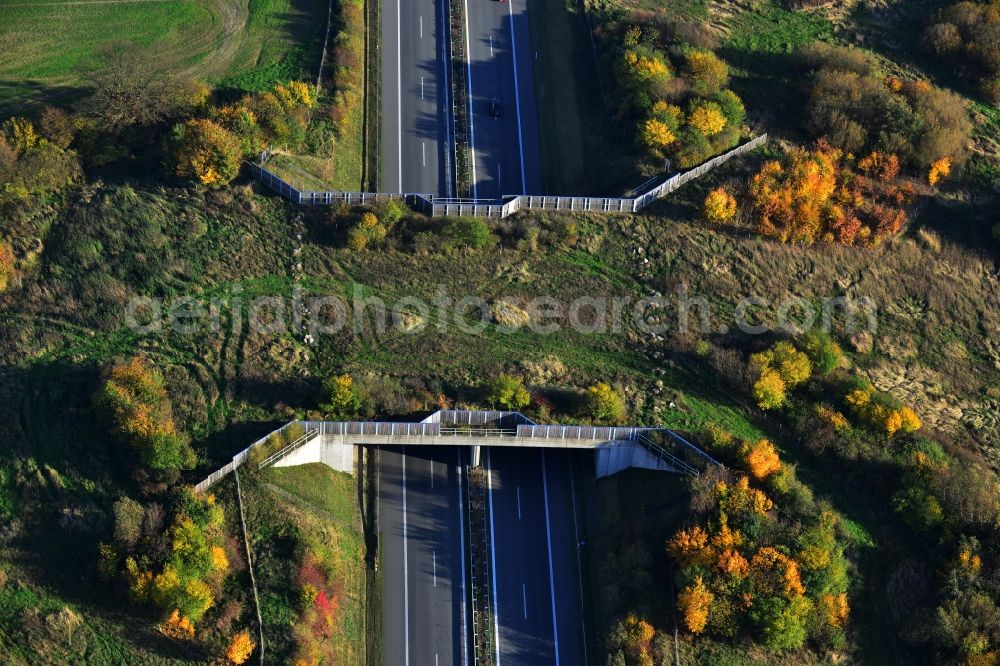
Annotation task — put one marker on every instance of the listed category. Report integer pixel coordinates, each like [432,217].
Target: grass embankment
[573,124]
[304,517]
[627,519]
[248,47]
[333,158]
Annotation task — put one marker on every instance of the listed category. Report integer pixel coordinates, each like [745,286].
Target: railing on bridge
[507,205]
[459,423]
[283,453]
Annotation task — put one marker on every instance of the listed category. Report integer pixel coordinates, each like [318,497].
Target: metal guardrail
[304,439]
[450,207]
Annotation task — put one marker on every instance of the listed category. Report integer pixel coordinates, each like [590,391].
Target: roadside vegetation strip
[371,180]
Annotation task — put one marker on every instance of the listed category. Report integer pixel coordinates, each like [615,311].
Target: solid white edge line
[493,559]
[472,124]
[399,96]
[406,572]
[579,567]
[461,542]
[517,96]
[548,543]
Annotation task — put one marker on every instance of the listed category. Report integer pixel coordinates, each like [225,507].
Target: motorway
[535,574]
[505,150]
[422,548]
[415,129]
[421,551]
[416,114]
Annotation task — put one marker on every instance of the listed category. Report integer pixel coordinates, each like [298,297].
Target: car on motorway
[495,108]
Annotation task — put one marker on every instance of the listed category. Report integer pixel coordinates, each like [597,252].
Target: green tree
[129,516]
[601,403]
[825,354]
[508,392]
[343,397]
[466,231]
[781,622]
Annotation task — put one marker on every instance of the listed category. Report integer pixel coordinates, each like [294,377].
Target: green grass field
[236,43]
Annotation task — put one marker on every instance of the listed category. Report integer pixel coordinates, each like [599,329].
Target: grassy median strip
[372,177]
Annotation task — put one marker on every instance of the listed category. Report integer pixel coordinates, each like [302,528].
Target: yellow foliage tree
[707,117]
[939,169]
[694,602]
[219,560]
[601,403]
[707,72]
[719,206]
[646,66]
[835,608]
[774,572]
[656,134]
[909,421]
[639,633]
[770,390]
[762,460]
[20,134]
[739,498]
[240,648]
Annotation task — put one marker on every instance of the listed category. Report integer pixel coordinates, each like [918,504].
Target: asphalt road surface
[421,556]
[415,127]
[536,569]
[506,157]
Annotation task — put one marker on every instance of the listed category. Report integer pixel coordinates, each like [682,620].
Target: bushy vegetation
[859,108]
[821,195]
[966,35]
[746,568]
[508,392]
[134,399]
[675,95]
[32,163]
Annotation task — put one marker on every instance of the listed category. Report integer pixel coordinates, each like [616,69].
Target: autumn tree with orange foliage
[762,460]
[134,398]
[819,195]
[240,648]
[779,576]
